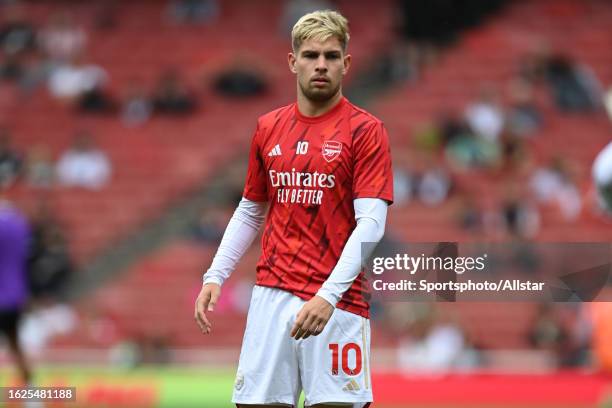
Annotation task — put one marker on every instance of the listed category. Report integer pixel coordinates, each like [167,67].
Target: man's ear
[291,61]
[347,63]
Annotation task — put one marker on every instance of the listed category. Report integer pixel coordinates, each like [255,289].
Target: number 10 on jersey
[301,148]
[346,349]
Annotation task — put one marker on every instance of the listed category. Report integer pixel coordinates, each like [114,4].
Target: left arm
[370,214]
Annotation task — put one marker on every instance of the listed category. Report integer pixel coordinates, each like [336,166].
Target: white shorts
[333,367]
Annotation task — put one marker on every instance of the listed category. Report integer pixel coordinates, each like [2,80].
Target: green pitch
[153,387]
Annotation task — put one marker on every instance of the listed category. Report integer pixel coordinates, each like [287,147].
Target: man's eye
[332,56]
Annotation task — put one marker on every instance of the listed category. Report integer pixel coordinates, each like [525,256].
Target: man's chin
[319,94]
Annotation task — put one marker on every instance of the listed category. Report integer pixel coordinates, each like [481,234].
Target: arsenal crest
[331,149]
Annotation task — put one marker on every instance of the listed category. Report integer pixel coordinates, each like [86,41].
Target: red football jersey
[310,169]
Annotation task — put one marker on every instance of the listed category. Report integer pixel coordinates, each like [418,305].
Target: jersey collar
[321,118]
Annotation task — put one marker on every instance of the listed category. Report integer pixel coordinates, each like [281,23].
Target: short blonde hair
[319,26]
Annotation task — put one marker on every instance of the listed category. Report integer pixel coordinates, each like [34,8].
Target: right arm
[238,237]
[239,234]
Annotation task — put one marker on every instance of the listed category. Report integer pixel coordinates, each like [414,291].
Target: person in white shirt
[84,165]
[485,117]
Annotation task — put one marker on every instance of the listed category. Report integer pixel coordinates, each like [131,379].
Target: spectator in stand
[485,115]
[519,218]
[49,262]
[62,40]
[39,168]
[172,97]
[469,216]
[84,165]
[574,86]
[433,185]
[136,108]
[10,161]
[194,11]
[17,34]
[82,84]
[470,151]
[17,39]
[451,127]
[524,116]
[14,237]
[240,80]
[403,185]
[436,344]
[553,185]
[546,330]
[565,338]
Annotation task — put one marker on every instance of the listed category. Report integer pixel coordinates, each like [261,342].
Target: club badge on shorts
[331,149]
[239,381]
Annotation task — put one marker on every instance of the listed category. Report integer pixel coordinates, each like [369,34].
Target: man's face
[320,67]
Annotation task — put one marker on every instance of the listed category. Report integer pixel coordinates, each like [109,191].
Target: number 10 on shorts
[346,349]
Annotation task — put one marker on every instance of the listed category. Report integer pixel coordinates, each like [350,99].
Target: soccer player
[323,167]
[14,241]
[602,174]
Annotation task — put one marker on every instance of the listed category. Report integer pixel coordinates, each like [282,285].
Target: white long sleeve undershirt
[370,214]
[238,237]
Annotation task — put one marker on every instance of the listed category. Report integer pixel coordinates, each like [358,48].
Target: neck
[308,107]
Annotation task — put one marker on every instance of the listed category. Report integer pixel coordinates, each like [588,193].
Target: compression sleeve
[371,214]
[239,235]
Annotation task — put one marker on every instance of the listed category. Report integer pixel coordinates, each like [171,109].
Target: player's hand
[312,318]
[206,301]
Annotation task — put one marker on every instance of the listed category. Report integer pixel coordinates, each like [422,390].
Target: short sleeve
[373,174]
[255,186]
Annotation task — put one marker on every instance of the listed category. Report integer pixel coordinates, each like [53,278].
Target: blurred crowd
[81,165]
[56,56]
[434,339]
[491,138]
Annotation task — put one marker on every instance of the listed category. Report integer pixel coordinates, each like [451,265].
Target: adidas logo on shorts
[351,386]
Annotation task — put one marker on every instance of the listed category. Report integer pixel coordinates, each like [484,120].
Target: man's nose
[321,64]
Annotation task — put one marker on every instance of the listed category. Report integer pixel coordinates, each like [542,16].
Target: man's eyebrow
[329,52]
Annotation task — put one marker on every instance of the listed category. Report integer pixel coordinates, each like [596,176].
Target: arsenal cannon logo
[331,149]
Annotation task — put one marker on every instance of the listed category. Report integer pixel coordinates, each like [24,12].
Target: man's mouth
[320,81]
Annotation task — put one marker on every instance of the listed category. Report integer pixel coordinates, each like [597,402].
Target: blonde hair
[319,26]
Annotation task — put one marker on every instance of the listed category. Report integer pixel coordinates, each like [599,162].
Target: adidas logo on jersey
[351,386]
[276,151]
